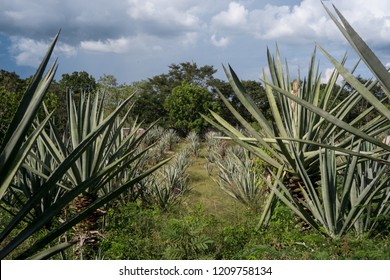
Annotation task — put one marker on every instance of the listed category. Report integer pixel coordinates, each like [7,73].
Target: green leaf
[246,100]
[23,120]
[374,156]
[20,156]
[237,136]
[46,254]
[60,171]
[366,54]
[332,119]
[31,100]
[359,86]
[84,213]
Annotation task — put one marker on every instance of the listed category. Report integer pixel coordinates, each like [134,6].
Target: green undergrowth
[209,224]
[135,232]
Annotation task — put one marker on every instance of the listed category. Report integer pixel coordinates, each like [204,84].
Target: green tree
[107,81]
[115,93]
[148,106]
[11,92]
[363,104]
[56,100]
[78,81]
[12,88]
[185,105]
[190,72]
[254,89]
[152,92]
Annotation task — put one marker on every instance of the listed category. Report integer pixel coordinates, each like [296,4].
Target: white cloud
[142,30]
[163,13]
[327,75]
[190,38]
[120,45]
[305,22]
[221,42]
[285,23]
[29,52]
[235,16]
[82,21]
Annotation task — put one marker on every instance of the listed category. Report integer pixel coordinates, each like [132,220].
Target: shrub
[132,233]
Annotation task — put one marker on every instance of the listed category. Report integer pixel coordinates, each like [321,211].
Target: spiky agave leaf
[10,156]
[55,233]
[337,205]
[366,54]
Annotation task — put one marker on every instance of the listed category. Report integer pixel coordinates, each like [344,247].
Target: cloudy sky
[137,39]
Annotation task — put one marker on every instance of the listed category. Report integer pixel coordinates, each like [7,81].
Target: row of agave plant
[339,169]
[241,175]
[142,151]
[165,187]
[235,171]
[53,184]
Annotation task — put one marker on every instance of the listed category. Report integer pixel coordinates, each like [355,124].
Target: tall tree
[12,88]
[149,104]
[190,72]
[115,93]
[11,92]
[253,88]
[151,93]
[185,105]
[107,81]
[78,82]
[363,104]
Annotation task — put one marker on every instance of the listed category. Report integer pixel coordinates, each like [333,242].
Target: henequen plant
[240,176]
[236,176]
[343,199]
[306,124]
[166,187]
[193,141]
[16,147]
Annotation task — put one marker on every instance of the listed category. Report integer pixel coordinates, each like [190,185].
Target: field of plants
[197,168]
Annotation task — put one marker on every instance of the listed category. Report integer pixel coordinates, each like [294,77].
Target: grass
[139,233]
[206,192]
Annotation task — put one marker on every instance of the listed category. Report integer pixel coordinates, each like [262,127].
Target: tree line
[175,99]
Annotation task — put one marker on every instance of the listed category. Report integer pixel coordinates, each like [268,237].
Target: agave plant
[347,199]
[155,133]
[369,194]
[306,123]
[15,147]
[311,124]
[237,177]
[193,141]
[216,148]
[373,175]
[68,176]
[170,138]
[166,187]
[35,170]
[110,146]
